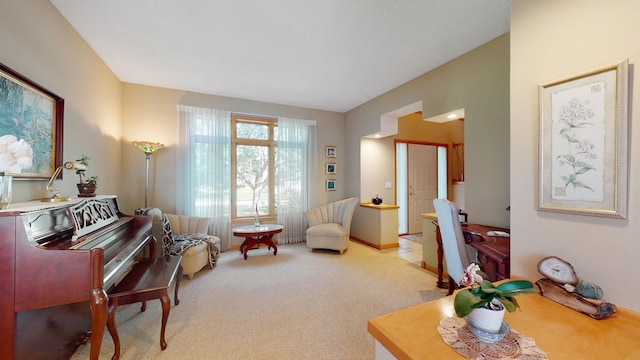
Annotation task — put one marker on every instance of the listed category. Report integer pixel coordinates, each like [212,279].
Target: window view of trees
[252,180]
[254,165]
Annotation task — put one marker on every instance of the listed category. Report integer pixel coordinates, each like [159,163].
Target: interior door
[422,183]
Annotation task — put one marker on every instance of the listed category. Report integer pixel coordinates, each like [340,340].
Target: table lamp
[69,165]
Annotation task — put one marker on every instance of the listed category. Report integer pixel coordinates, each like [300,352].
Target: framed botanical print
[583,143]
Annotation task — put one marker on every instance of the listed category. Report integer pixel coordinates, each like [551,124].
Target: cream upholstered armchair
[330,225]
[186,236]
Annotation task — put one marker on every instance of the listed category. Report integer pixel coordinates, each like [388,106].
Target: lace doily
[456,333]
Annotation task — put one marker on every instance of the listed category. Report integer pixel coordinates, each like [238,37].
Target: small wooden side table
[257,234]
[148,280]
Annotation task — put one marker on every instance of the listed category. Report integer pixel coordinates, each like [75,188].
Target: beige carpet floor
[296,305]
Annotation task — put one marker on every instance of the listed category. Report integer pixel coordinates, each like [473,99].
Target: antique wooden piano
[58,262]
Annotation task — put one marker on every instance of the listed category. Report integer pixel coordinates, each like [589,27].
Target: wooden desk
[255,235]
[562,333]
[493,251]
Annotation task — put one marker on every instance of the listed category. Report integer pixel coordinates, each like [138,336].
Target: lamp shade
[147,146]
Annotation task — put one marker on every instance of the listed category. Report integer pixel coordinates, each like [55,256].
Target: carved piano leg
[99,304]
[113,329]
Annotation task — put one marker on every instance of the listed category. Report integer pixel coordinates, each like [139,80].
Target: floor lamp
[148,148]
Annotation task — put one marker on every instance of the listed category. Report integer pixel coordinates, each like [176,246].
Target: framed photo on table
[330,168]
[330,151]
[31,127]
[583,143]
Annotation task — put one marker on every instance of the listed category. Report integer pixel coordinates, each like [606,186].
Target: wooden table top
[557,330]
[262,229]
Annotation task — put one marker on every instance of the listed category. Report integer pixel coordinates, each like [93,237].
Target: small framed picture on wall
[330,168]
[331,185]
[330,152]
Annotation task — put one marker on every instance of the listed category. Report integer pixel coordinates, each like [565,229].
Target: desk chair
[453,243]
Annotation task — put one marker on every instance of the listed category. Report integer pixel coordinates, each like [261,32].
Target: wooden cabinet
[493,251]
[493,255]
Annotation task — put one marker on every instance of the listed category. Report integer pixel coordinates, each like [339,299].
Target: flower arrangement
[482,293]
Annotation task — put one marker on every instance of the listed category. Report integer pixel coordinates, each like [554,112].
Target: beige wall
[38,43]
[103,115]
[552,40]
[150,113]
[378,155]
[478,81]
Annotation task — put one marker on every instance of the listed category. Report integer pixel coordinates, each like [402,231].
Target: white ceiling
[324,54]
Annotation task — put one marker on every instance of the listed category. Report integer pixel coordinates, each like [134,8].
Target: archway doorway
[421,174]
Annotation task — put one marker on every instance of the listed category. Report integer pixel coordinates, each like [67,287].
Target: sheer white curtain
[203,181]
[296,176]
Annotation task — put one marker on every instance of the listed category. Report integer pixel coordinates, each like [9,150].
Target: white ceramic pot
[486,319]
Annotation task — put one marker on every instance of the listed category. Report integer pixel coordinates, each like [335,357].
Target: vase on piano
[5,190]
[86,190]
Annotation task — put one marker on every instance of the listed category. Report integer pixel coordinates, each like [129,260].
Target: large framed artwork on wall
[31,123]
[583,143]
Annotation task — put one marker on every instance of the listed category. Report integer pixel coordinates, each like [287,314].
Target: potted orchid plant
[484,296]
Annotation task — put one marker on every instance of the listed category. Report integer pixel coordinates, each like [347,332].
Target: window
[217,150]
[253,159]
